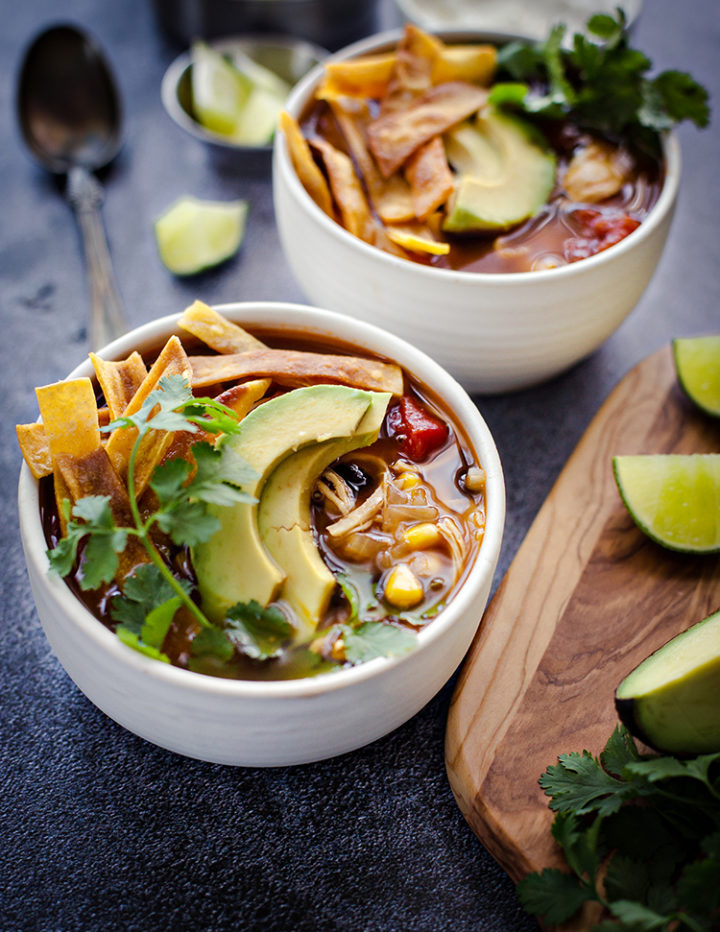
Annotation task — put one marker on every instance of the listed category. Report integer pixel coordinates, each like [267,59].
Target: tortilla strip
[309,174]
[390,197]
[171,361]
[295,368]
[69,414]
[473,63]
[93,474]
[431,181]
[242,398]
[394,137]
[347,191]
[119,380]
[412,74]
[418,238]
[365,77]
[34,448]
[216,331]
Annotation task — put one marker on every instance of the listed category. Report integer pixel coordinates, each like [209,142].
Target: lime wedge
[219,90]
[670,701]
[193,235]
[258,119]
[674,499]
[697,363]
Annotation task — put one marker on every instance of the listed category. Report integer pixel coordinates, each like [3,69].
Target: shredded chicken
[335,491]
[597,171]
[453,535]
[360,518]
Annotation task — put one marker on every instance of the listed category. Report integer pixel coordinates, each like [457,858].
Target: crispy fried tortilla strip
[412,74]
[309,174]
[216,331]
[69,414]
[295,368]
[243,397]
[365,77]
[347,191]
[93,474]
[34,448]
[171,361]
[418,238]
[394,137]
[119,380]
[389,196]
[473,63]
[431,181]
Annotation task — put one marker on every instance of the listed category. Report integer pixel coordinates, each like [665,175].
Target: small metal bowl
[288,57]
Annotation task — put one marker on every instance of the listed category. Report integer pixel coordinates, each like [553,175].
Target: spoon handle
[107,314]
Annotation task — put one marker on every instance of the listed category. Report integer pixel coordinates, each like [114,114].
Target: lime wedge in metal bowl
[673,498]
[193,235]
[697,363]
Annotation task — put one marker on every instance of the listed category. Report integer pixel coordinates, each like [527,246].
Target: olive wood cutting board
[585,599]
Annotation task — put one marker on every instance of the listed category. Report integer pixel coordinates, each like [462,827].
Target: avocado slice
[233,565]
[505,173]
[670,701]
[284,516]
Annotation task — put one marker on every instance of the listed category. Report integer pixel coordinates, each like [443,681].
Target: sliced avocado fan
[234,565]
[505,173]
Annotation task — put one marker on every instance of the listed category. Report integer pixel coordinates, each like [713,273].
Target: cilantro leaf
[581,848]
[146,588]
[188,523]
[219,472]
[376,639]
[619,751]
[600,83]
[158,622]
[637,917]
[256,631]
[579,784]
[131,639]
[552,894]
[92,520]
[212,642]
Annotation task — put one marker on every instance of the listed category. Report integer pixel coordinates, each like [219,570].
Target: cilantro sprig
[600,83]
[184,490]
[641,836]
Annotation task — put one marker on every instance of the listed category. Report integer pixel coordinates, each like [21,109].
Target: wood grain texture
[586,598]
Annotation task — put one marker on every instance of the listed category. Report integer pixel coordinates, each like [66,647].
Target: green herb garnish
[365,640]
[601,84]
[649,826]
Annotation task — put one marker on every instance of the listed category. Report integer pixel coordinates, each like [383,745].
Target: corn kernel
[402,587]
[408,480]
[420,536]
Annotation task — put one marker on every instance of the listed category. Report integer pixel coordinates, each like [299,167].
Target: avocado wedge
[671,701]
[505,173]
[233,565]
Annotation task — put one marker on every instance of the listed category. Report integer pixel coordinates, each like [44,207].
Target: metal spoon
[70,116]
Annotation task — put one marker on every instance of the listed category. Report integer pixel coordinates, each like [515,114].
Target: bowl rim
[311,320]
[282,165]
[177,68]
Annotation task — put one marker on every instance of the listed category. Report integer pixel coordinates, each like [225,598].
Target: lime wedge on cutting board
[697,363]
[670,701]
[674,499]
[193,234]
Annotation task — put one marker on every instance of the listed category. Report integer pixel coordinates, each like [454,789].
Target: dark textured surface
[100,830]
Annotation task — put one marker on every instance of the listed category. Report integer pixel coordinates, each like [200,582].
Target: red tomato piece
[601,231]
[417,431]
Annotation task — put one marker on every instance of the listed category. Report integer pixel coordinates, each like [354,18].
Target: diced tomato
[417,431]
[600,231]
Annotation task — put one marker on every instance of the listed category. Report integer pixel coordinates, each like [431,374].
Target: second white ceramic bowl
[280,722]
[493,332]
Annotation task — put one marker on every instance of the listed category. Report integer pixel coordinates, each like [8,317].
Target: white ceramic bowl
[493,332]
[269,723]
